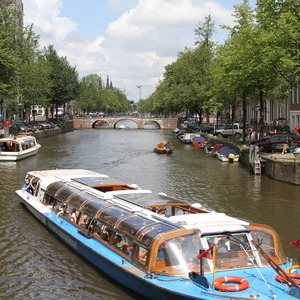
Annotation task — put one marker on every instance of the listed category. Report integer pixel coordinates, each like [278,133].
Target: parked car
[56,122]
[227,131]
[31,127]
[44,124]
[37,124]
[22,126]
[275,141]
[210,128]
[34,125]
[191,121]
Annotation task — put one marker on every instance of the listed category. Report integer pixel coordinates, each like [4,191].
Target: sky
[131,41]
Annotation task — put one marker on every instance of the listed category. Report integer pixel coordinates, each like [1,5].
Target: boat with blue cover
[227,154]
[187,252]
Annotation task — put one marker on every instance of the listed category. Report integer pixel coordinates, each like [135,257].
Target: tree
[34,80]
[64,78]
[10,32]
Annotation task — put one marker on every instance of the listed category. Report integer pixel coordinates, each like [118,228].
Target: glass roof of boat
[66,192]
[77,200]
[112,214]
[93,206]
[146,199]
[54,187]
[96,181]
[133,223]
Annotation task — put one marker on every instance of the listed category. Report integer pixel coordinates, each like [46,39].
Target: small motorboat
[208,149]
[216,148]
[18,147]
[124,126]
[187,137]
[227,154]
[297,152]
[199,141]
[164,147]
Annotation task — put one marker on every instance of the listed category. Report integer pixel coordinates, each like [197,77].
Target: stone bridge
[80,123]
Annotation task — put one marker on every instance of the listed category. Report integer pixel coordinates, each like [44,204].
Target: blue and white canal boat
[165,250]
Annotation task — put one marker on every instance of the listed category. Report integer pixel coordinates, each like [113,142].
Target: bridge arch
[100,124]
[132,124]
[80,123]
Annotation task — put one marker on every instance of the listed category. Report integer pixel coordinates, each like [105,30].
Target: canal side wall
[287,170]
[277,166]
[68,127]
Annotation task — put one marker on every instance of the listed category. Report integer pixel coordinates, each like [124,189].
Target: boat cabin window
[231,251]
[76,200]
[177,256]
[53,188]
[132,224]
[112,214]
[92,207]
[267,238]
[66,192]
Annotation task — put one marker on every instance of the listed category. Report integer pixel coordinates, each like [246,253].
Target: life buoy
[99,123]
[292,275]
[289,269]
[242,284]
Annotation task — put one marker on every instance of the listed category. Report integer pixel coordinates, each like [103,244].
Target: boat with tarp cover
[188,252]
[227,154]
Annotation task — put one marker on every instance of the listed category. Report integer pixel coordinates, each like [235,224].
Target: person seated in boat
[117,241]
[126,250]
[74,216]
[221,247]
[167,145]
[4,147]
[27,186]
[161,212]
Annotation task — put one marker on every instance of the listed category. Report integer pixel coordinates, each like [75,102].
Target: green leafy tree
[10,33]
[64,78]
[34,80]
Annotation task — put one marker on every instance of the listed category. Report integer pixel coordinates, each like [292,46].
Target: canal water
[34,264]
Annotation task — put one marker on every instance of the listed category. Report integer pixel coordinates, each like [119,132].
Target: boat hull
[225,158]
[15,156]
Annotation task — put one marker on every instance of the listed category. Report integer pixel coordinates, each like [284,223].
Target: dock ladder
[254,159]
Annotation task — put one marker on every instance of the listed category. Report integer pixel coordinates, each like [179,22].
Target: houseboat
[18,147]
[158,247]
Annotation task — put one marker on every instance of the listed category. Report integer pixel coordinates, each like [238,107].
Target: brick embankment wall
[68,127]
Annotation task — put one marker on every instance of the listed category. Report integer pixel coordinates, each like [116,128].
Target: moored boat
[164,147]
[227,154]
[216,148]
[18,147]
[186,138]
[119,229]
[208,149]
[199,141]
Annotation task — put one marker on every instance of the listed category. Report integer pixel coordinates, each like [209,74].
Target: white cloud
[137,45]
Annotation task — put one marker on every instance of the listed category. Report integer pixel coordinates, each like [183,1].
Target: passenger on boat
[4,147]
[27,186]
[161,212]
[221,247]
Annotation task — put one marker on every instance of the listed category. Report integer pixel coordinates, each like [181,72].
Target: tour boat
[227,154]
[160,248]
[163,147]
[18,147]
